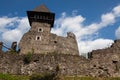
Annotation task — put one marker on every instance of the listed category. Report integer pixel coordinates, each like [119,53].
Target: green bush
[28,58]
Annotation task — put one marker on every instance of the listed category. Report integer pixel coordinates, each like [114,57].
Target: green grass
[13,77]
[21,77]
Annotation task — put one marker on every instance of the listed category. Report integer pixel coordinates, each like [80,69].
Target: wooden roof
[41,8]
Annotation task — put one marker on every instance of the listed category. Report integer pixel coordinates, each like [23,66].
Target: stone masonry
[101,63]
[39,38]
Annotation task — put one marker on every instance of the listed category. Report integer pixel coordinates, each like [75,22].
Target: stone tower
[39,38]
[41,20]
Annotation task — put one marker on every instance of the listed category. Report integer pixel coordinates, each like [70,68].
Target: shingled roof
[41,8]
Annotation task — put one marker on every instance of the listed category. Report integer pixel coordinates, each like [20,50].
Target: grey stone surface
[104,63]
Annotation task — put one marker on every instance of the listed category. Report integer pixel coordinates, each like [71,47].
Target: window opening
[55,41]
[40,30]
[38,38]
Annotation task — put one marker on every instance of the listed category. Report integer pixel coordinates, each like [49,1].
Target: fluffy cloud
[5,22]
[65,24]
[12,29]
[116,10]
[12,35]
[88,46]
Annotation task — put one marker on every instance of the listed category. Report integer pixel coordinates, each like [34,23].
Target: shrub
[28,58]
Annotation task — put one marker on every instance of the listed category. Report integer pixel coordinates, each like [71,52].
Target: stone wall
[65,45]
[42,63]
[106,61]
[102,63]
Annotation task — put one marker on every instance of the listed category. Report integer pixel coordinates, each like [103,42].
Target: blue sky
[96,23]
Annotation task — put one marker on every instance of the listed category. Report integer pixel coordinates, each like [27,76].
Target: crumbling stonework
[102,63]
[106,61]
[39,38]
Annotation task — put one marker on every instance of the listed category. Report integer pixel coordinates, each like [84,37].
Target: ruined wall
[102,63]
[66,45]
[42,63]
[106,61]
[42,41]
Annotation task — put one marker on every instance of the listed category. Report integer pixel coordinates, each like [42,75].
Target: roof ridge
[41,8]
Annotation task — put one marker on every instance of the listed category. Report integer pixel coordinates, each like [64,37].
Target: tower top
[41,14]
[41,8]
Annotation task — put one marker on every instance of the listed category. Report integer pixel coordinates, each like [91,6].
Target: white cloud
[88,46]
[12,29]
[117,33]
[107,19]
[5,22]
[12,35]
[65,24]
[116,10]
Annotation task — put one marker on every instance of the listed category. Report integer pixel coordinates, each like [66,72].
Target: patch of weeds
[28,58]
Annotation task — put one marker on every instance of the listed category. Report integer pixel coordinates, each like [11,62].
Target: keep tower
[41,21]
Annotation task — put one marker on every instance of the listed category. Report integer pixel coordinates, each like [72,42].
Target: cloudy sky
[96,23]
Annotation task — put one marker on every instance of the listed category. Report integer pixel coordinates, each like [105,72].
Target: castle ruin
[100,63]
[39,38]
